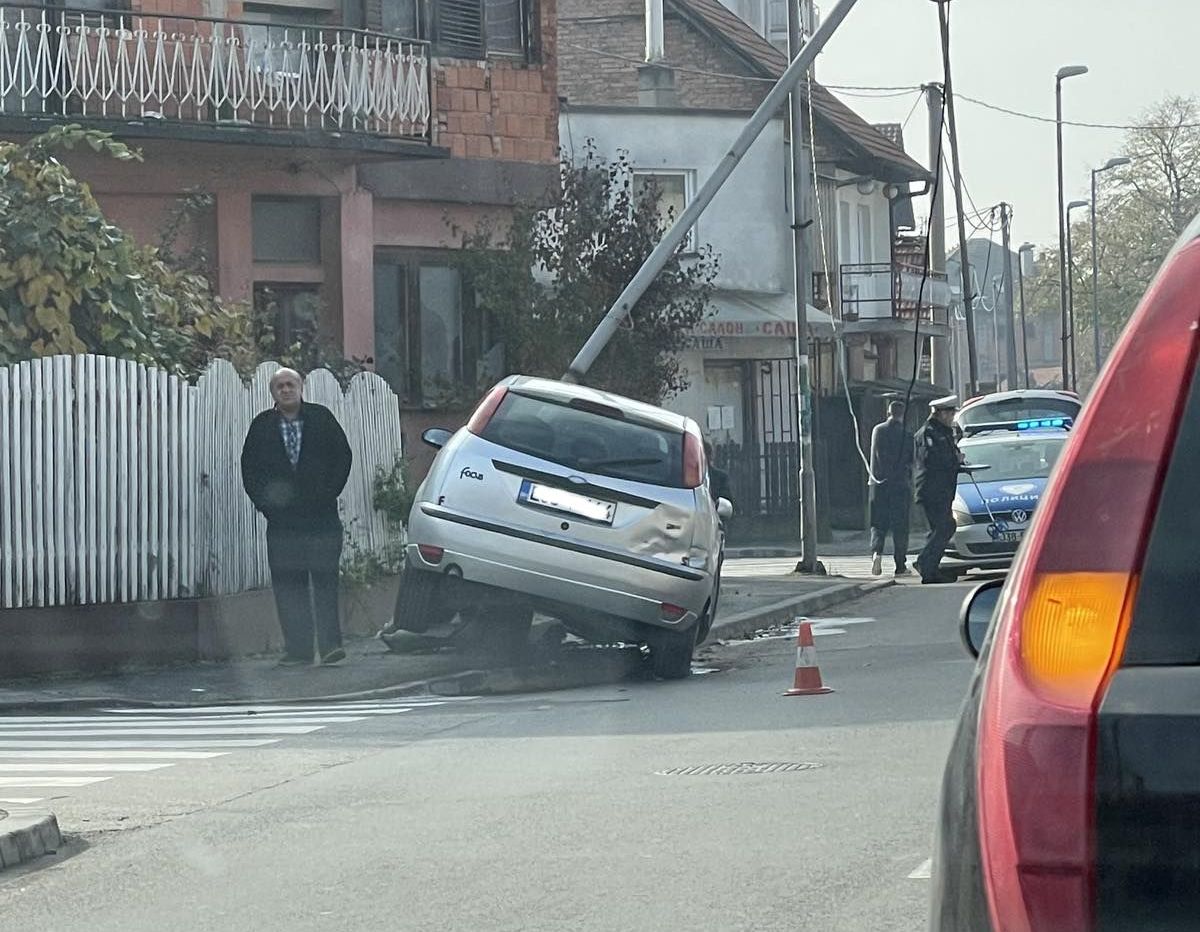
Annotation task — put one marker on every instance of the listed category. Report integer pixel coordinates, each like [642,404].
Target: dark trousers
[304,575]
[895,522]
[940,516]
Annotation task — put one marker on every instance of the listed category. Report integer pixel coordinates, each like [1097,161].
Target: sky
[1007,52]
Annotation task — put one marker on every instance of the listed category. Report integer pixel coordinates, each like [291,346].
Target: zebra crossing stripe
[97,721]
[50,781]
[165,743]
[116,754]
[73,767]
[166,730]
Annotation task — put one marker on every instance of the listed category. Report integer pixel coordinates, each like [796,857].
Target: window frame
[481,50]
[475,329]
[308,201]
[691,241]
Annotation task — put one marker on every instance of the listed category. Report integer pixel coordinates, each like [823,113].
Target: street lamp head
[1071,71]
[1027,247]
[1075,205]
[1116,163]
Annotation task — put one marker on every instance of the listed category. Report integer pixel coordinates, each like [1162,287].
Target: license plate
[566,502]
[1011,537]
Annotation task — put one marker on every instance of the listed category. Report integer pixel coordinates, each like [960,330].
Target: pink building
[333,143]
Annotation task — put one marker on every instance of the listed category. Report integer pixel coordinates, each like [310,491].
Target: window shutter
[460,28]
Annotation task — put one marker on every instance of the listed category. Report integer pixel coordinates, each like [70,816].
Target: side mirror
[975,619]
[437,437]
[724,509]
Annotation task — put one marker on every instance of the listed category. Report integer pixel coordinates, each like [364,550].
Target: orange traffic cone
[808,674]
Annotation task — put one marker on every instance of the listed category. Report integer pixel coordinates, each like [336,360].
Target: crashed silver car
[579,504]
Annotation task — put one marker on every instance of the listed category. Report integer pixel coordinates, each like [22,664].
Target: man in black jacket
[891,488]
[295,463]
[938,462]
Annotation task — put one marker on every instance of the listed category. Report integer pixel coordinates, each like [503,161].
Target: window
[866,252]
[402,18]
[588,441]
[287,229]
[289,314]
[479,28]
[430,343]
[675,191]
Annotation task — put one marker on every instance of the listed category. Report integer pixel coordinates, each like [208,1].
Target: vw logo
[1020,516]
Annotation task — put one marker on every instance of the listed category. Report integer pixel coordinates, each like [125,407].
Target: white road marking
[923,871]
[65,767]
[820,632]
[108,755]
[839,622]
[99,721]
[50,781]
[21,800]
[143,743]
[51,731]
[357,708]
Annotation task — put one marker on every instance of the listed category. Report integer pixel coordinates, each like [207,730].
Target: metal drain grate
[725,770]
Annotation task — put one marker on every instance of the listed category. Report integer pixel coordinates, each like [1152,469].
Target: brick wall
[603,40]
[500,109]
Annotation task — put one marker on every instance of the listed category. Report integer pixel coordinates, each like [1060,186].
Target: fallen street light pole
[775,100]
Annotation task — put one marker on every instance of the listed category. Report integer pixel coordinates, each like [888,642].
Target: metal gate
[764,473]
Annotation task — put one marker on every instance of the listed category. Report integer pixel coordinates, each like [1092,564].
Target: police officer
[938,460]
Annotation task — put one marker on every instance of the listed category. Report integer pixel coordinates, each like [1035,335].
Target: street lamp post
[1027,247]
[1110,164]
[1074,205]
[1068,71]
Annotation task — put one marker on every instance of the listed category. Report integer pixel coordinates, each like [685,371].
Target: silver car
[586,506]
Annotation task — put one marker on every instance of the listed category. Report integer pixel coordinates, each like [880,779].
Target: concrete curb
[780,613]
[476,681]
[439,685]
[27,834]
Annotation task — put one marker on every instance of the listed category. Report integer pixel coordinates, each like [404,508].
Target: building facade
[676,118]
[323,150]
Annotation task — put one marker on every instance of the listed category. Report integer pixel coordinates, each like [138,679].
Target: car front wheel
[421,602]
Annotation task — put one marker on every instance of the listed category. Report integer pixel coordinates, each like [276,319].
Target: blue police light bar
[1040,423]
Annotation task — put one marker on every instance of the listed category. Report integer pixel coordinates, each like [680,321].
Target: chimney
[656,81]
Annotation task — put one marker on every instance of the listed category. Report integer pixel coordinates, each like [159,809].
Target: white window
[866,252]
[675,191]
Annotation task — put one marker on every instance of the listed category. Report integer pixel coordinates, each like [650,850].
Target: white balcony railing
[144,66]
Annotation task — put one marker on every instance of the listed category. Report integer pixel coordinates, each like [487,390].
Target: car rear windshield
[587,440]
[1026,458]
[1165,628]
[1018,409]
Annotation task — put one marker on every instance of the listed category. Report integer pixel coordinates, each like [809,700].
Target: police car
[1008,464]
[1018,405]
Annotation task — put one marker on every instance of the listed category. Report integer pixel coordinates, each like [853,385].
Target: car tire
[671,653]
[420,603]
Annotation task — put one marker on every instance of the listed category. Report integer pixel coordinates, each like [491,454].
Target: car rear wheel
[421,602]
[671,652]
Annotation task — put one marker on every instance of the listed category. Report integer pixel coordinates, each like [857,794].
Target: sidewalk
[371,671]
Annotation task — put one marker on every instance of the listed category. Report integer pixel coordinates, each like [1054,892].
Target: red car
[1071,798]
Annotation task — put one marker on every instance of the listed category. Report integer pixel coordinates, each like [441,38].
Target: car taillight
[486,408]
[693,461]
[1062,623]
[669,612]
[431,554]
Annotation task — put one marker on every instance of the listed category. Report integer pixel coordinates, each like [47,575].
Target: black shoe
[294,662]
[938,580]
[337,655]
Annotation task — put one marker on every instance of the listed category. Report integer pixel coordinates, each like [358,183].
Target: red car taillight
[483,413]
[1062,623]
[693,461]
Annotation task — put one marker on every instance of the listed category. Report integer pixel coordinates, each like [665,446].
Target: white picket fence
[122,483]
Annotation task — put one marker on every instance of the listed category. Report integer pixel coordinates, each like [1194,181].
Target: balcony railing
[154,67]
[882,291]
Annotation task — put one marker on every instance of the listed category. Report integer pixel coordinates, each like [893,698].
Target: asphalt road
[533,812]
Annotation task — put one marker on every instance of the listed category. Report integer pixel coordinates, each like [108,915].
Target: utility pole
[964,259]
[1010,322]
[801,187]
[940,347]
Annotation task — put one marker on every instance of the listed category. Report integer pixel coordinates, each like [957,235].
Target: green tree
[71,281]
[1142,209]
[548,278]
